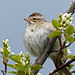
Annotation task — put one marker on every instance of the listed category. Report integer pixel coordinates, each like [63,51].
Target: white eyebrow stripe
[39,17]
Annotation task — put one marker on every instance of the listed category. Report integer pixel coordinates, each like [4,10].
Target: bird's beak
[26,19]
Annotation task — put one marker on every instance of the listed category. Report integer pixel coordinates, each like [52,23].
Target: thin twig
[73,71]
[62,66]
[5,71]
[67,45]
[59,52]
[5,67]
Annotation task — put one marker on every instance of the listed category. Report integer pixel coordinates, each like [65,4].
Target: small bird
[35,38]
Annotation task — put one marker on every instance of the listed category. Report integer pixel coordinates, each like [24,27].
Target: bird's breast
[35,39]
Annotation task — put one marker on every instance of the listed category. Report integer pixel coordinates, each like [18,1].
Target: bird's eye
[34,18]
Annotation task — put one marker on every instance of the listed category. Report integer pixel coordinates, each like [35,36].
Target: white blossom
[64,19]
[71,19]
[68,50]
[9,49]
[69,15]
[61,23]
[64,15]
[64,24]
[12,53]
[62,28]
[1,50]
[20,54]
[23,63]
[6,41]
[70,22]
[39,74]
[67,22]
[66,44]
[21,60]
[25,59]
[26,62]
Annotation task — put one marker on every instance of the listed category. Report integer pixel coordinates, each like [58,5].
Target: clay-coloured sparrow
[36,34]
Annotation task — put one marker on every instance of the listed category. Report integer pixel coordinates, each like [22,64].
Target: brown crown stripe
[35,14]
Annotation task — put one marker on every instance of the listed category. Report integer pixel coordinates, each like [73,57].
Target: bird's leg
[36,61]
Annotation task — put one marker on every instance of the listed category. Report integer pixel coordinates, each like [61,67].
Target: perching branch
[48,48]
[71,8]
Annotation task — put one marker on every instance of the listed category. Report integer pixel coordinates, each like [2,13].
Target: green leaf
[70,56]
[6,53]
[36,67]
[11,66]
[55,33]
[70,30]
[70,66]
[31,73]
[15,58]
[70,39]
[21,73]
[12,72]
[19,67]
[55,23]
